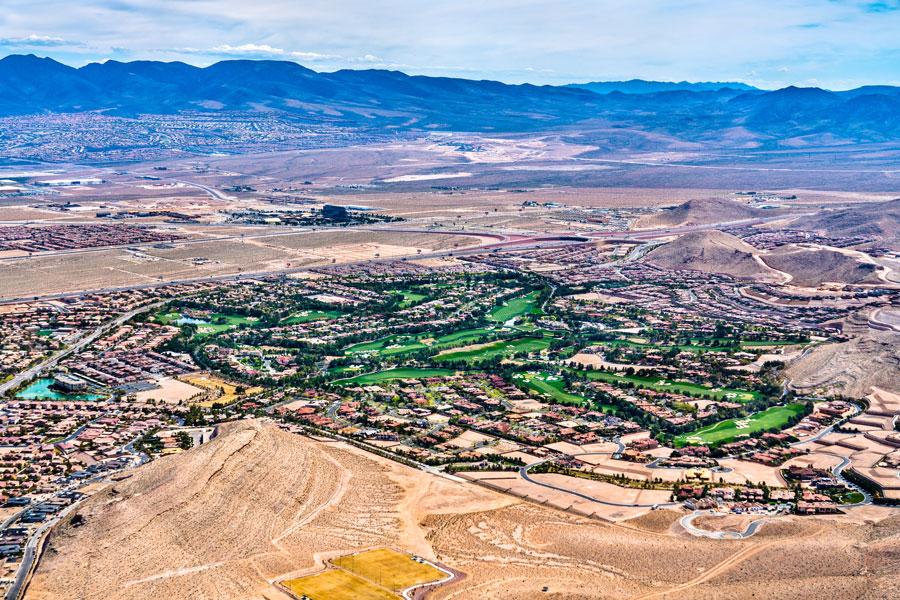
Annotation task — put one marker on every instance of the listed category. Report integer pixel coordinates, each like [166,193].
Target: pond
[41,389]
[190,321]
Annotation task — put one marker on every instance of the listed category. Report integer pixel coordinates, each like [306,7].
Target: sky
[836,44]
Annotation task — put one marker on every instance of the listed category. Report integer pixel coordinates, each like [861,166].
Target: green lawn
[391,374]
[400,344]
[409,298]
[311,315]
[552,385]
[231,322]
[208,327]
[664,347]
[498,348]
[516,307]
[678,387]
[726,431]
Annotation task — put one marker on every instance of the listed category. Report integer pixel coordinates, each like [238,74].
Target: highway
[83,341]
[509,242]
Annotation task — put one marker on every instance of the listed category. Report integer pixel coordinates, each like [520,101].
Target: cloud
[257,51]
[247,49]
[38,41]
[313,56]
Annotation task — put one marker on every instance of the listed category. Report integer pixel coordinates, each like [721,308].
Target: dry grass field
[338,584]
[219,390]
[390,568]
[64,273]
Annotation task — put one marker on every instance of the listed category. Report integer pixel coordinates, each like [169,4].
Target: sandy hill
[814,266]
[222,520]
[851,368]
[713,252]
[880,220]
[225,520]
[703,211]
[722,253]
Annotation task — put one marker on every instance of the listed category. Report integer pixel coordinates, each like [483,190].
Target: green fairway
[726,431]
[228,322]
[516,307]
[400,344]
[549,384]
[215,323]
[409,298]
[390,374]
[498,348]
[664,347]
[311,315]
[678,387]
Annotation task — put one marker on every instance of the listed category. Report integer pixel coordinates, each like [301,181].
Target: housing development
[276,333]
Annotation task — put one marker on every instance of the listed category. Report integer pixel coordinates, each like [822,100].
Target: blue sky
[836,44]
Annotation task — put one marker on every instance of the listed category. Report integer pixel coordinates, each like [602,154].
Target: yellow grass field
[337,584]
[210,382]
[392,569]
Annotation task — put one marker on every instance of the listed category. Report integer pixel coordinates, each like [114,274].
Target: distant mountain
[641,86]
[716,117]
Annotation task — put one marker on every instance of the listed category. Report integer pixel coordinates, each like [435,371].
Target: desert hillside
[224,519]
[851,368]
[879,220]
[702,211]
[814,266]
[721,253]
[713,252]
[256,505]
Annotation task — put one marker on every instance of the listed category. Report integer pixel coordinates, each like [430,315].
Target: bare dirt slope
[713,252]
[814,266]
[702,211]
[880,220]
[256,505]
[221,521]
[718,252]
[852,367]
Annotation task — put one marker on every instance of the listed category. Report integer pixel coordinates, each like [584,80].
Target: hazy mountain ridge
[378,98]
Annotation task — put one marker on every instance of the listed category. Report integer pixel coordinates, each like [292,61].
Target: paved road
[83,341]
[523,472]
[30,555]
[687,520]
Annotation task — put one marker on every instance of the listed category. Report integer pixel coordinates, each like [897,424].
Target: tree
[185,441]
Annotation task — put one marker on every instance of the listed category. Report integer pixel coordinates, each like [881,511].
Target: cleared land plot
[516,307]
[499,348]
[393,569]
[170,391]
[725,431]
[678,387]
[337,584]
[391,374]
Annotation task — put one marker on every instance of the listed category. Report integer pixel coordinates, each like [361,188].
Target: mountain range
[707,113]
